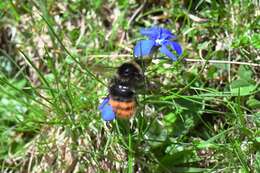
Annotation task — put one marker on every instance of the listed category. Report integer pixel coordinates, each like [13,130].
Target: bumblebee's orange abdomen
[125,114]
[123,109]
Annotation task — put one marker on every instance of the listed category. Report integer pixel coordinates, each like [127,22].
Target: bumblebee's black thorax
[130,72]
[121,92]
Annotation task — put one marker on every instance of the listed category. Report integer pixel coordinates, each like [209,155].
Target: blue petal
[143,48]
[152,33]
[163,49]
[107,113]
[166,34]
[105,101]
[156,32]
[176,46]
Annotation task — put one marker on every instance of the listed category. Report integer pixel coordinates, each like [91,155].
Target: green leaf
[190,169]
[245,73]
[171,161]
[256,118]
[253,103]
[157,132]
[170,118]
[205,144]
[242,88]
[20,84]
[257,139]
[97,4]
[256,41]
[257,161]
[211,72]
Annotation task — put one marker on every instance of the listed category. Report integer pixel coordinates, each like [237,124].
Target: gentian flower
[158,38]
[106,109]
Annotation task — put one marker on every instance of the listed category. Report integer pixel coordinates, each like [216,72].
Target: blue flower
[158,38]
[106,109]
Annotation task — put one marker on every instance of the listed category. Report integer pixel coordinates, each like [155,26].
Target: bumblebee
[122,89]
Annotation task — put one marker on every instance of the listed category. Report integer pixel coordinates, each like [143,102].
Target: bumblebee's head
[130,71]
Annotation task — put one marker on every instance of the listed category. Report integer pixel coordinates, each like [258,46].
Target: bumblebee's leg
[131,123]
[108,125]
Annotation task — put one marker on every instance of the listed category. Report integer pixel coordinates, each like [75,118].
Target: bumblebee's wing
[106,71]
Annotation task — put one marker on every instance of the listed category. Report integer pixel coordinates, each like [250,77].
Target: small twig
[223,62]
[135,14]
[111,56]
[137,11]
[186,59]
[128,49]
[82,30]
